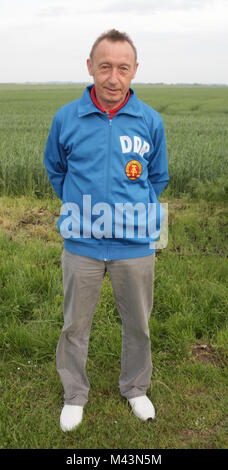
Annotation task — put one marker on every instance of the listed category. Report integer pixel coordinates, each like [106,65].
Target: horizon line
[69,82]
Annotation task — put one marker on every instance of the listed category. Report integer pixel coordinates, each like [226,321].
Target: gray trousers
[132,282]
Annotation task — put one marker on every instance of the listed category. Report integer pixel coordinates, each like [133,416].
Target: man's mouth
[112,90]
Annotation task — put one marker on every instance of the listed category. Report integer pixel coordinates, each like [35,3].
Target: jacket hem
[108,252]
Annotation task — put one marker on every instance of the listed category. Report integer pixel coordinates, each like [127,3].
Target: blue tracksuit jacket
[109,174]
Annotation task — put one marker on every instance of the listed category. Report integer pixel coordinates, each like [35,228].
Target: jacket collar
[86,105]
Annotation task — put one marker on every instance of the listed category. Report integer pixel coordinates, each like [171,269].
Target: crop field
[195,119]
[189,321]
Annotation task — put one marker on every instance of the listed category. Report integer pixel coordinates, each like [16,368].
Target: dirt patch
[35,222]
[206,354]
[36,217]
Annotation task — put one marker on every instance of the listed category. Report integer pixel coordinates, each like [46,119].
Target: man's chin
[111,100]
[113,97]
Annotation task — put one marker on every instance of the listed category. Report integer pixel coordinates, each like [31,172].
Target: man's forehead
[115,50]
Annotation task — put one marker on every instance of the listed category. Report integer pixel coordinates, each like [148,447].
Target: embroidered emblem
[133,170]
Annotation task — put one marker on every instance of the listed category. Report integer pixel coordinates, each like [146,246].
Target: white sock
[70,417]
[142,407]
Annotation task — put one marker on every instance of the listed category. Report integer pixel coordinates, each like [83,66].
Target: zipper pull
[110,120]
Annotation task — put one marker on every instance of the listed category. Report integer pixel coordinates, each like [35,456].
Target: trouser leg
[132,281]
[82,280]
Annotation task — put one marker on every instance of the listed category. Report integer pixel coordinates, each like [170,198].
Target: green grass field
[188,325]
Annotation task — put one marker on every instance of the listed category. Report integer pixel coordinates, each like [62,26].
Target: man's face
[113,67]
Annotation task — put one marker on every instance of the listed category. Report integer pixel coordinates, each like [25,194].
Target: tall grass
[195,119]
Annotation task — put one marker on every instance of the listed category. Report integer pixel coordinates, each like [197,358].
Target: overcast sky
[177,40]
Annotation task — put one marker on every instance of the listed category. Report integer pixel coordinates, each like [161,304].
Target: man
[106,160]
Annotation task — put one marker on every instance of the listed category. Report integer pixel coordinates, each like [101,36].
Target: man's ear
[136,68]
[90,67]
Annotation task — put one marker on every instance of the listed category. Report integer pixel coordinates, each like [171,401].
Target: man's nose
[113,77]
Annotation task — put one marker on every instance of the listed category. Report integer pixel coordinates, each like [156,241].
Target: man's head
[113,64]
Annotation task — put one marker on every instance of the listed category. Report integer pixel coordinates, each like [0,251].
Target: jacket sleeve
[158,166]
[55,158]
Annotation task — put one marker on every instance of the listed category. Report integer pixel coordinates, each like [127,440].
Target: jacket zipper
[108,159]
[107,175]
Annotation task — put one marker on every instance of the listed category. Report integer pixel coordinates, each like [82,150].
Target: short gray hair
[114,36]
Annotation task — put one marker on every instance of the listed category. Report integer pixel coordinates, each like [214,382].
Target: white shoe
[71,417]
[142,407]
